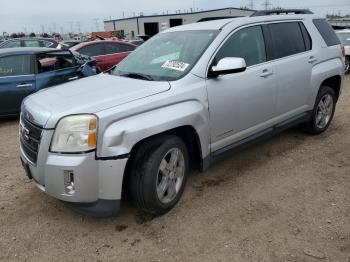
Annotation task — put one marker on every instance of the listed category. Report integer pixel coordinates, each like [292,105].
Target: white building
[151,25]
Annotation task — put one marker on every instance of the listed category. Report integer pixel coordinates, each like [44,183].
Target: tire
[147,182]
[321,117]
[347,64]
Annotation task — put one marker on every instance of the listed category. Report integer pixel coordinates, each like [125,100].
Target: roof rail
[282,12]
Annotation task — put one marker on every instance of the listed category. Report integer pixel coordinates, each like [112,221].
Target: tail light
[342,49]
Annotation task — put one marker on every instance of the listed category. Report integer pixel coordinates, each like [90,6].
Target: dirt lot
[277,201]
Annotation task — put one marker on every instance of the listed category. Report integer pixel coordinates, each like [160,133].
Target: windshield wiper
[138,76]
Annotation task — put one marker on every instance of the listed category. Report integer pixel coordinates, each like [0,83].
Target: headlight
[75,134]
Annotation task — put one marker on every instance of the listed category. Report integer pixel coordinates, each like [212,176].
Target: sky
[88,15]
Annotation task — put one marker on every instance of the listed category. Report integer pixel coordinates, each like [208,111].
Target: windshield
[167,56]
[344,38]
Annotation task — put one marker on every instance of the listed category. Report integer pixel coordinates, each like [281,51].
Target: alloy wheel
[170,176]
[324,111]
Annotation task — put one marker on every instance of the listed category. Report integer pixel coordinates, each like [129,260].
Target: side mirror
[229,65]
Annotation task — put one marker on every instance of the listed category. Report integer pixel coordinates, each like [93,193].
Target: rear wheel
[323,112]
[347,65]
[158,174]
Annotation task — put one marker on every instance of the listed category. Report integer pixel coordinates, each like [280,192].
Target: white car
[344,36]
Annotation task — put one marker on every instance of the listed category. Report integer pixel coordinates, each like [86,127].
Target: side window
[326,32]
[126,48]
[306,36]
[47,43]
[15,65]
[247,43]
[31,43]
[111,48]
[52,62]
[287,39]
[93,50]
[12,44]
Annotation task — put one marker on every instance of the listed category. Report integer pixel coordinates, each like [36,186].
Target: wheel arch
[186,133]
[333,82]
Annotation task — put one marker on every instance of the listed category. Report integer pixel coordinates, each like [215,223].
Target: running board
[253,139]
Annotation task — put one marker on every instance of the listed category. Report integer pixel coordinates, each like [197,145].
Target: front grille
[30,135]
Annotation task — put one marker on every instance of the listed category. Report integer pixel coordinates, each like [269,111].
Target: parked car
[107,53]
[24,71]
[344,36]
[187,96]
[30,42]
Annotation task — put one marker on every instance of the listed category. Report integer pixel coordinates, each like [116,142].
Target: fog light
[69,182]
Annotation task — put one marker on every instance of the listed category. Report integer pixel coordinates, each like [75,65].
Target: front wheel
[323,112]
[158,175]
[347,65]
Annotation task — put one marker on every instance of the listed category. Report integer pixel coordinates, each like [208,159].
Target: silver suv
[184,98]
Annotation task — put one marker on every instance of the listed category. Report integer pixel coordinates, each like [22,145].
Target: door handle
[73,78]
[24,85]
[312,59]
[266,73]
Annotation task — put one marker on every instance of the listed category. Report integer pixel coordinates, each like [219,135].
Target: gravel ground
[286,199]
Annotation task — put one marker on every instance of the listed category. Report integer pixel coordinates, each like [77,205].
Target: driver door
[242,104]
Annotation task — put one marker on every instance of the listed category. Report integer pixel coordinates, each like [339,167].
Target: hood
[88,95]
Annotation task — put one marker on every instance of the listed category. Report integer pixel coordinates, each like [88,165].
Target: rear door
[290,49]
[17,81]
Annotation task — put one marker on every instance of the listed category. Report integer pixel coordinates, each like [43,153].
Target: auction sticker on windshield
[176,65]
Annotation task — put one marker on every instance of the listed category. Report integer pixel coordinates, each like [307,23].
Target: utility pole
[267,4]
[71,27]
[78,26]
[54,27]
[96,24]
[251,4]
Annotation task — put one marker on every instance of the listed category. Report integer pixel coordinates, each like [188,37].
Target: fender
[121,136]
[322,72]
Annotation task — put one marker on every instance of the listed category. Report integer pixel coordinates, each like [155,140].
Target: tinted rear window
[326,32]
[287,39]
[93,50]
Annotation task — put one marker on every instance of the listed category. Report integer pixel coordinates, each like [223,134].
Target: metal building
[151,25]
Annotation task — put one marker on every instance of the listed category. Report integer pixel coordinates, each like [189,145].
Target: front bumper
[97,184]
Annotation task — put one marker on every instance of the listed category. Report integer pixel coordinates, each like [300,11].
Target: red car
[107,53]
